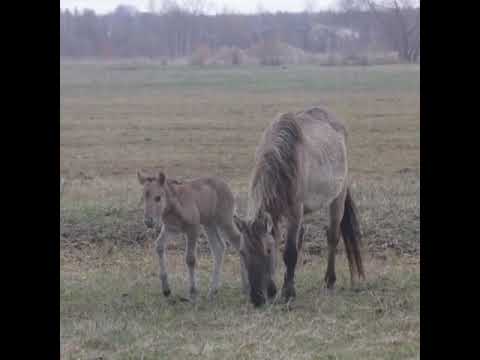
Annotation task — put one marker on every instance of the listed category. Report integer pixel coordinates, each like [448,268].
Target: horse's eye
[157,198]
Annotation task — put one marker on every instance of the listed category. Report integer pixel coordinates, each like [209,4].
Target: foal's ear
[161,178]
[141,178]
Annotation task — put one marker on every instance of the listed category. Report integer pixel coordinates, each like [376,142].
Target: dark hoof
[258,303]
[167,292]
[212,294]
[330,281]
[288,293]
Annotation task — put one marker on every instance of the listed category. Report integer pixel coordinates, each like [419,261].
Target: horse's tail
[352,236]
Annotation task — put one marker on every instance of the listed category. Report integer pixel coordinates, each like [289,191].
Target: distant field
[116,118]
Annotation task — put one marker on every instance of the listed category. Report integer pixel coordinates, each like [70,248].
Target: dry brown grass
[116,118]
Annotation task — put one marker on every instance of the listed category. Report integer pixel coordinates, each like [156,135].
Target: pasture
[118,117]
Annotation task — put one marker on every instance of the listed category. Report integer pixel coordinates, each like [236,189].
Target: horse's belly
[321,196]
[323,187]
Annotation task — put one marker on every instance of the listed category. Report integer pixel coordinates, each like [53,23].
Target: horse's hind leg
[333,236]
[217,247]
[191,260]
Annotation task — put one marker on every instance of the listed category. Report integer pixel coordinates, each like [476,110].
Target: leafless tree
[179,27]
[400,20]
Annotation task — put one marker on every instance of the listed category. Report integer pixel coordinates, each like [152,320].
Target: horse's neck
[174,204]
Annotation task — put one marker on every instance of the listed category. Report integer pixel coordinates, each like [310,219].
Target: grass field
[116,118]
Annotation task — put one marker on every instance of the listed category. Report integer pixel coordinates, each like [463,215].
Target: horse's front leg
[271,287]
[161,245]
[290,255]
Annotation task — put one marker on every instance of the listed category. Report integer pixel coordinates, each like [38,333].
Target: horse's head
[154,188]
[257,251]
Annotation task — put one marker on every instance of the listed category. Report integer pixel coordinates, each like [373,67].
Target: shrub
[200,55]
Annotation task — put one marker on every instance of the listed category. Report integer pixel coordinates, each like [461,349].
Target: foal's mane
[273,185]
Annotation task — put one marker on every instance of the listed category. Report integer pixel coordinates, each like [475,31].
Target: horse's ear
[239,223]
[141,178]
[161,178]
[268,223]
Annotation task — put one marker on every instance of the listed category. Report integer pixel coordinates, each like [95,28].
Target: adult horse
[300,166]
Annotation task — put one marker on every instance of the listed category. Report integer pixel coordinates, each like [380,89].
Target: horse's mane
[273,185]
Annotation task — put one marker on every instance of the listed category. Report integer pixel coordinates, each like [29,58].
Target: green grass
[155,79]
[112,306]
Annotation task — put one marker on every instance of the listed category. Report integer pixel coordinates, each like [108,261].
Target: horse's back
[318,116]
[213,198]
[324,156]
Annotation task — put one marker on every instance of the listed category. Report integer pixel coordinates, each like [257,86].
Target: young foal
[182,207]
[300,164]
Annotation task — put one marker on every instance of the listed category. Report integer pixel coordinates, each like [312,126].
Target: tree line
[178,31]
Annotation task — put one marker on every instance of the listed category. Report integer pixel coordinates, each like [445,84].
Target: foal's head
[257,250]
[154,188]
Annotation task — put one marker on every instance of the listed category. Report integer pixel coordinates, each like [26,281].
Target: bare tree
[400,20]
[310,6]
[178,27]
[151,6]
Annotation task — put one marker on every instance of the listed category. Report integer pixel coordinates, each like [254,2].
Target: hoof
[212,294]
[329,291]
[288,293]
[246,290]
[166,292]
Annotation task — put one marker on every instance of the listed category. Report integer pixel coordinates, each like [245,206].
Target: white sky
[241,6]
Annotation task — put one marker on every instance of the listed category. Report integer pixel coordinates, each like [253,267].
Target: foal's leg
[233,235]
[333,236]
[191,260]
[161,244]
[217,247]
[290,257]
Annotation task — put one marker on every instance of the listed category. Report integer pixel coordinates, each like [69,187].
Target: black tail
[352,236]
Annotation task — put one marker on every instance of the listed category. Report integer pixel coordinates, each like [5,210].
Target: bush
[200,56]
[237,56]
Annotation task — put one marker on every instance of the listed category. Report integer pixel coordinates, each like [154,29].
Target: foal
[183,207]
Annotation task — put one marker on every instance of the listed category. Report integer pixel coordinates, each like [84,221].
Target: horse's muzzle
[258,298]
[149,223]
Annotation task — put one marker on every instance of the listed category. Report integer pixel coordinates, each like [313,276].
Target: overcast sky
[242,6]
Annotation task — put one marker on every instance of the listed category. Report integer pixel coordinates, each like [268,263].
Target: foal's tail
[352,236]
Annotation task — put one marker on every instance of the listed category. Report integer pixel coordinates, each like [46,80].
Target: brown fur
[184,207]
[300,164]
